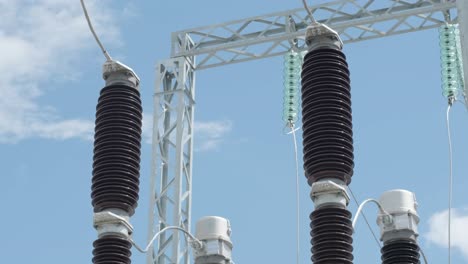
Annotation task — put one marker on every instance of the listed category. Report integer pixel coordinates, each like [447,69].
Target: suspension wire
[451,100]
[293,132]
[90,25]
[309,12]
[196,242]
[365,219]
[423,255]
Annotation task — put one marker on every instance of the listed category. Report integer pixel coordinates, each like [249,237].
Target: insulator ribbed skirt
[326,116]
[400,251]
[331,236]
[292,74]
[117,144]
[451,61]
[112,249]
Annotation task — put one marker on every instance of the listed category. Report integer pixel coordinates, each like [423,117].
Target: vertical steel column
[171,167]
[462,6]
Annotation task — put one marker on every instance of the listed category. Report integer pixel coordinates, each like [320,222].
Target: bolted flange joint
[329,192]
[320,35]
[109,222]
[115,72]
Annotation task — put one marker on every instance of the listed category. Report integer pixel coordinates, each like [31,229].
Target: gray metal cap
[115,72]
[320,35]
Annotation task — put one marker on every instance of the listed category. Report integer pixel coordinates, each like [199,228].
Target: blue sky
[50,77]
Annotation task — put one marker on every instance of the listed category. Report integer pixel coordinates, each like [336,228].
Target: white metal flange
[112,222]
[328,192]
[320,35]
[115,71]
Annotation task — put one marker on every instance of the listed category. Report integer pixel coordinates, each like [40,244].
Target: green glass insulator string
[292,78]
[453,84]
[452,68]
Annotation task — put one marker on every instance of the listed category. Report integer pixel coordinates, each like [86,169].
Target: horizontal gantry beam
[274,34]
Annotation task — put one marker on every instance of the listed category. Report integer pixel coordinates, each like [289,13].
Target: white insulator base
[214,251]
[403,223]
[215,234]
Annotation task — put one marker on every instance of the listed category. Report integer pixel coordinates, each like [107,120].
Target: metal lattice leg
[171,176]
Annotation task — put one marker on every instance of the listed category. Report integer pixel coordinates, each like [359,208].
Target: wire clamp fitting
[108,222]
[327,192]
[114,71]
[197,245]
[320,35]
[386,220]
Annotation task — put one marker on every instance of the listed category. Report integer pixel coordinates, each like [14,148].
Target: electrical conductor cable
[198,244]
[424,256]
[450,181]
[104,51]
[365,219]
[362,206]
[309,12]
[293,132]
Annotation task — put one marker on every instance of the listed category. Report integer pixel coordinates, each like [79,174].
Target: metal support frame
[269,35]
[171,172]
[245,40]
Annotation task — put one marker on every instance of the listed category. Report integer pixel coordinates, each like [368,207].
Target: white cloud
[438,230]
[65,129]
[147,128]
[42,42]
[213,129]
[209,135]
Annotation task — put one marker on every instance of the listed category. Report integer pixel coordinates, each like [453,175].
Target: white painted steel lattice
[244,40]
[171,176]
[270,35]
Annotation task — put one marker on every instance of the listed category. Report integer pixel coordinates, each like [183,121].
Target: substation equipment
[272,35]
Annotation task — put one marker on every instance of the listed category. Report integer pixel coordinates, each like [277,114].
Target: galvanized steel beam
[270,35]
